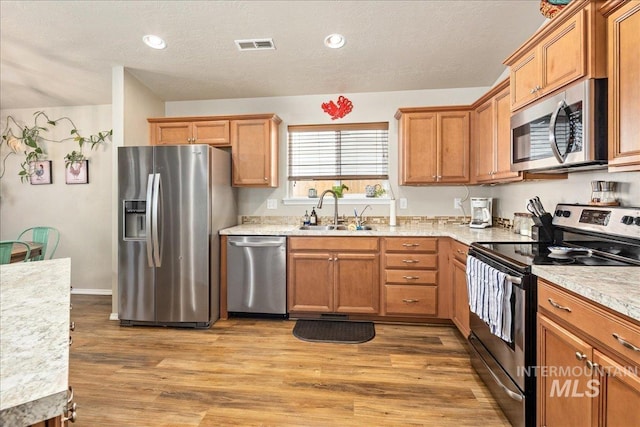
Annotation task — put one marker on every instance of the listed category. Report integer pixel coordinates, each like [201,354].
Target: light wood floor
[247,372]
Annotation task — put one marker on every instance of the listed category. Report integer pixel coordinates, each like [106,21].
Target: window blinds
[350,151]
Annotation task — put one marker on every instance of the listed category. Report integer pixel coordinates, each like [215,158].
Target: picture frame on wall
[41,172]
[77,172]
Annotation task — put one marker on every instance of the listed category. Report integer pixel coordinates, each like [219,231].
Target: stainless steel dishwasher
[257,275]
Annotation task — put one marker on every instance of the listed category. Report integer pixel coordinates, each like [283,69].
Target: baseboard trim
[77,291]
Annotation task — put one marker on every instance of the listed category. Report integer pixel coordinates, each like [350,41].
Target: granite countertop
[34,350]
[616,288]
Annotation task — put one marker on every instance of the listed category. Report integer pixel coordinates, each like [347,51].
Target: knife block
[543,229]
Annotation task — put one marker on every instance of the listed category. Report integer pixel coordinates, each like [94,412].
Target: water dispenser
[134,212]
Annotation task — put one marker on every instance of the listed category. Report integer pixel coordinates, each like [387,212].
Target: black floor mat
[334,331]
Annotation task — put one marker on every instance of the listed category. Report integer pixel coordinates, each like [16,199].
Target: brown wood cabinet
[588,362]
[569,47]
[189,130]
[491,137]
[254,151]
[433,145]
[624,87]
[458,268]
[333,275]
[410,276]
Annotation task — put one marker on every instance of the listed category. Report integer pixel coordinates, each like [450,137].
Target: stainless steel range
[502,292]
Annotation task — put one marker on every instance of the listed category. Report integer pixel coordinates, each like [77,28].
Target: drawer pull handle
[580,356]
[410,245]
[461,252]
[558,306]
[411,277]
[410,301]
[410,261]
[626,343]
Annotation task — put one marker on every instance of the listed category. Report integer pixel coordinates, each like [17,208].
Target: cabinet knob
[580,356]
[592,365]
[72,326]
[265,178]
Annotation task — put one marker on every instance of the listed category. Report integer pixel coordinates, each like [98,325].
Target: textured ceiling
[59,53]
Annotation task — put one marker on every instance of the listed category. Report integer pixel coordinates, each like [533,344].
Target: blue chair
[48,237]
[6,247]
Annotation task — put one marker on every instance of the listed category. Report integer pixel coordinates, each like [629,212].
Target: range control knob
[628,220]
[637,220]
[558,212]
[566,214]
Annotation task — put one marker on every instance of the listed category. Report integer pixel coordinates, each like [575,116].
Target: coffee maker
[481,212]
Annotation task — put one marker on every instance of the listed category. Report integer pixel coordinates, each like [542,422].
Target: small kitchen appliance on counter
[481,212]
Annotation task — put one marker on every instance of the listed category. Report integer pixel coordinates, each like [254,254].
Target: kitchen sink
[331,227]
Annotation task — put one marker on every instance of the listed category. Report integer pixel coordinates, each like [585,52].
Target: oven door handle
[514,280]
[515,396]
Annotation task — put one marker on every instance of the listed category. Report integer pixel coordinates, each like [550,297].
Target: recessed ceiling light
[154,42]
[334,41]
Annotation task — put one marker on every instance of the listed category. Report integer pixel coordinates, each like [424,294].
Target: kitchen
[93,202]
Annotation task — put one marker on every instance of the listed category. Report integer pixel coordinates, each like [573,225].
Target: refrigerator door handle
[148,216]
[157,198]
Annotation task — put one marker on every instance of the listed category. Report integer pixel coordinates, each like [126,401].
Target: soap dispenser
[306,220]
[313,220]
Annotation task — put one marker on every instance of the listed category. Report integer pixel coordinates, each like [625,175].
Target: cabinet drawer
[412,260]
[412,277]
[591,320]
[402,299]
[459,251]
[411,244]
[340,244]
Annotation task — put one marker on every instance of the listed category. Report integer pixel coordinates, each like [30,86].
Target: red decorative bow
[343,108]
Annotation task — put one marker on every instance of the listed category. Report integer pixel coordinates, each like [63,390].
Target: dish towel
[490,297]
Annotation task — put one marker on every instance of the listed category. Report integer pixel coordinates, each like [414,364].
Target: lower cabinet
[588,362]
[410,282]
[333,275]
[458,269]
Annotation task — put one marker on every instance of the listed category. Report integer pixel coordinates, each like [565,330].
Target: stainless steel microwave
[565,131]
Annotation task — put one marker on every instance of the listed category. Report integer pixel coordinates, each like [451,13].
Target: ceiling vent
[255,44]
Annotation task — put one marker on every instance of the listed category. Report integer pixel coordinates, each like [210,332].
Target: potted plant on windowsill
[28,140]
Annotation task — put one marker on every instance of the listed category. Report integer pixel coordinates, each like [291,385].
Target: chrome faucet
[335,197]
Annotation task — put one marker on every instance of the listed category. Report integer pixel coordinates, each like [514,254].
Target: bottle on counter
[313,219]
[307,219]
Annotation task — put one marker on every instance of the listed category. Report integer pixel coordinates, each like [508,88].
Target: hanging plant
[28,141]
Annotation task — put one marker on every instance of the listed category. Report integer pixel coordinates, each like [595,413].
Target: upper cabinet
[433,145]
[491,137]
[254,151]
[624,86]
[569,47]
[253,140]
[189,130]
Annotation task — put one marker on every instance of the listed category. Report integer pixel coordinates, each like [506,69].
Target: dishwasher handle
[256,244]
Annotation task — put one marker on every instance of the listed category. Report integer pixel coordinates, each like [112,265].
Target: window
[323,156]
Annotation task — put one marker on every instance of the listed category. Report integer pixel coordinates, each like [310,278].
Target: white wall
[82,212]
[367,107]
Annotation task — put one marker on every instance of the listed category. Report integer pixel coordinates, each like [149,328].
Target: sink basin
[330,227]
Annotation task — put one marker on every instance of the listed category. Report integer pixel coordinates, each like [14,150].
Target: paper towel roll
[392,212]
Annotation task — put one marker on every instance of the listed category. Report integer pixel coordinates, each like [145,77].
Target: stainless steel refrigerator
[173,200]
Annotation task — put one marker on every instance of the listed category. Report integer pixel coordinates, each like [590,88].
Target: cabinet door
[565,388]
[460,297]
[524,80]
[310,282]
[251,153]
[418,148]
[483,141]
[357,288]
[618,402]
[171,133]
[453,147]
[624,87]
[214,132]
[502,147]
[562,54]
